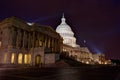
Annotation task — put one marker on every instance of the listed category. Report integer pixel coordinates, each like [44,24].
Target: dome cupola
[66,33]
[64,27]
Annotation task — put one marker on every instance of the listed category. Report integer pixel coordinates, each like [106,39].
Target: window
[20,58]
[13,58]
[40,43]
[27,59]
[0,43]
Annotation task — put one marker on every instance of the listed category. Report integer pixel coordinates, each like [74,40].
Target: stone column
[52,44]
[23,55]
[48,42]
[23,44]
[24,39]
[33,39]
[20,38]
[37,40]
[14,37]
[50,39]
[16,58]
[18,41]
[45,39]
[29,40]
[11,36]
[55,45]
[40,40]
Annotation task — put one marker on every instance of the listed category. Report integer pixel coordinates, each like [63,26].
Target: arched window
[27,58]
[0,43]
[13,58]
[20,58]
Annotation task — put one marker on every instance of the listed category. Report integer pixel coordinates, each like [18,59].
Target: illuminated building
[73,50]
[32,44]
[99,58]
[69,43]
[66,33]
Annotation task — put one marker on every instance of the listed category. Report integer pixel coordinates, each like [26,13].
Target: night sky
[96,21]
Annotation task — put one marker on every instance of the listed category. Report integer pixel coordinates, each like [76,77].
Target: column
[15,37]
[37,43]
[48,42]
[33,41]
[18,41]
[45,39]
[40,40]
[23,44]
[13,41]
[29,40]
[26,39]
[52,44]
[11,34]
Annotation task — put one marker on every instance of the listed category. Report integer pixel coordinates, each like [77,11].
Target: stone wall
[51,58]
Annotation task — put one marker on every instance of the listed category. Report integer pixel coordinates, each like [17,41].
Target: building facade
[81,54]
[32,44]
[66,33]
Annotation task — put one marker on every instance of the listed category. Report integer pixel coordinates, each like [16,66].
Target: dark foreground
[80,73]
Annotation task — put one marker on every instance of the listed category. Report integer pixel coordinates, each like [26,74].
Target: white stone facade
[66,33]
[73,50]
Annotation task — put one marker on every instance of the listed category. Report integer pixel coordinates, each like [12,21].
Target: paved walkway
[69,73]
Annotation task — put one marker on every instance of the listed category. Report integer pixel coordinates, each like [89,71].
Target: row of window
[67,34]
[20,58]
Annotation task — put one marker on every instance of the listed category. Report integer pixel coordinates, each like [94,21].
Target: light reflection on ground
[80,73]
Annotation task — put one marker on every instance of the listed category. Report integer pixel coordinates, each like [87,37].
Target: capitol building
[71,49]
[23,43]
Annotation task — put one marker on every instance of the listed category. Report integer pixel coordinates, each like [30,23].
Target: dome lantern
[66,33]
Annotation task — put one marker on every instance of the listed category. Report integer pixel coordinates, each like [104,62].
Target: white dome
[66,33]
[63,27]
